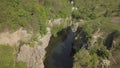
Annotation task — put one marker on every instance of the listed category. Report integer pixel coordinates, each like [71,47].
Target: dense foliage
[32,14]
[22,13]
[97,14]
[92,9]
[58,8]
[82,59]
[7,58]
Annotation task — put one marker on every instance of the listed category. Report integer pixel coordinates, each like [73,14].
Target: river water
[60,55]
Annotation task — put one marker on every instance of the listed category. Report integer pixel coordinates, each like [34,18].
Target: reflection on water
[60,55]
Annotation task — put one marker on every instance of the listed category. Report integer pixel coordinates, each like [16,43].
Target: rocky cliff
[32,56]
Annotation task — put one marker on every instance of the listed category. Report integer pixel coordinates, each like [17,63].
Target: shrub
[103,53]
[88,9]
[82,59]
[6,56]
[21,65]
[58,8]
[28,14]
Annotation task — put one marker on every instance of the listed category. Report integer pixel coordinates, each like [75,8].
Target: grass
[31,15]
[88,9]
[6,56]
[58,8]
[31,44]
[21,65]
[116,57]
[27,14]
[104,23]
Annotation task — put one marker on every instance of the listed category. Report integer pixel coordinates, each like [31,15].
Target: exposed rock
[116,20]
[34,56]
[56,21]
[105,63]
[74,27]
[95,36]
[13,39]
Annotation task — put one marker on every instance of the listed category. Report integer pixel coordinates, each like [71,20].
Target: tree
[94,61]
[82,59]
[58,8]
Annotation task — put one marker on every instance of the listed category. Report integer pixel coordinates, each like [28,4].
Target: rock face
[13,39]
[55,21]
[95,37]
[34,56]
[74,27]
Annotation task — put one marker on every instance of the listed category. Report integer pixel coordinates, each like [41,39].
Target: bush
[103,53]
[21,65]
[58,8]
[28,14]
[82,59]
[56,29]
[88,9]
[6,56]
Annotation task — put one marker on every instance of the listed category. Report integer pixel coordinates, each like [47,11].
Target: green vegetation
[116,56]
[104,53]
[97,14]
[31,44]
[56,29]
[33,15]
[82,59]
[58,8]
[88,9]
[90,59]
[116,53]
[22,13]
[21,65]
[94,61]
[6,56]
